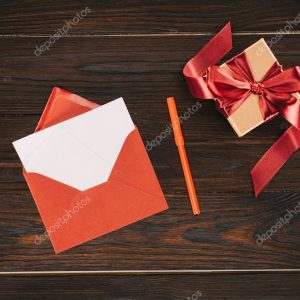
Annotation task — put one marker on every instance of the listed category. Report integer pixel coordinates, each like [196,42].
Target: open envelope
[88,170]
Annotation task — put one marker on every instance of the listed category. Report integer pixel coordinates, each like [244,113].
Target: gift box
[249,89]
[248,115]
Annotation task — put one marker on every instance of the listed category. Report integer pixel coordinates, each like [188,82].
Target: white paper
[80,152]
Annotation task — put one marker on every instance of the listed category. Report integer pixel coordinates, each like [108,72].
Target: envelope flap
[63,105]
[81,151]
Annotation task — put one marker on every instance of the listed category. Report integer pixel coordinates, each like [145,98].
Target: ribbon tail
[274,159]
[208,56]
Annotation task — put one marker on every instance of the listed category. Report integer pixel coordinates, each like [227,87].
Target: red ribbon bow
[232,86]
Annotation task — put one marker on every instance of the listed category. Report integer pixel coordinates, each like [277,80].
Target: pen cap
[175,121]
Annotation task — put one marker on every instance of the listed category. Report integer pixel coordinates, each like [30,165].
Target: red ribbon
[231,87]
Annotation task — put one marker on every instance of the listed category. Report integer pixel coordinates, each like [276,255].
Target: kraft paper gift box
[249,89]
[248,115]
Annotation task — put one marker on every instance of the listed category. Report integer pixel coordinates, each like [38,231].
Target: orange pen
[183,157]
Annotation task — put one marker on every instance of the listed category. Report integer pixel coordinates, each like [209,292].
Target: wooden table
[137,49]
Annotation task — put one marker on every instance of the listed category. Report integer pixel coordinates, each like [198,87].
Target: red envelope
[131,193]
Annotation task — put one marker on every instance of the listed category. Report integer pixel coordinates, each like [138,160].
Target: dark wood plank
[162,287]
[144,70]
[220,161]
[115,17]
[223,237]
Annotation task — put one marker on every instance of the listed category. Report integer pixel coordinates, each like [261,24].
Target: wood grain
[213,173]
[143,69]
[137,49]
[224,237]
[163,287]
[144,17]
